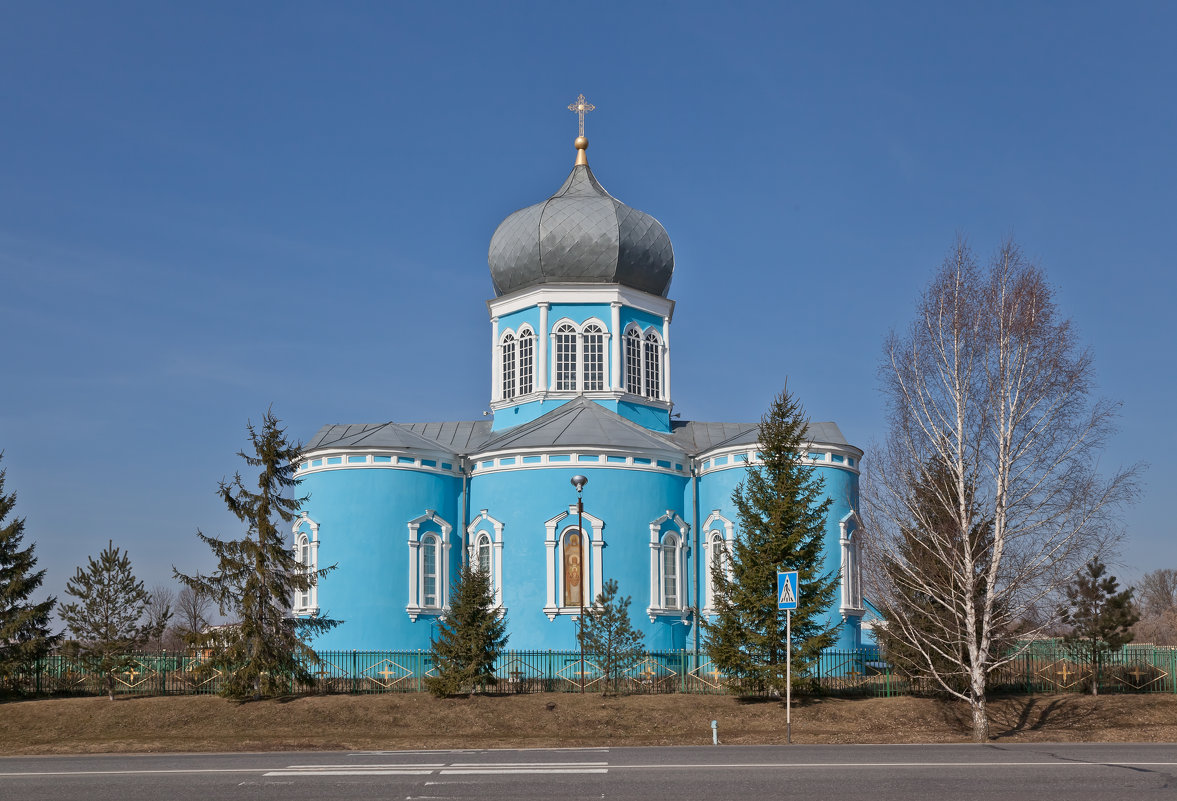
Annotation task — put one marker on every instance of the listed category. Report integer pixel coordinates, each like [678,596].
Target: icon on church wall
[573,565]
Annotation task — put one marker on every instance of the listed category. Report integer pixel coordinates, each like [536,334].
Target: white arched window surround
[645,362]
[484,529]
[516,362]
[594,544]
[419,542]
[717,544]
[851,566]
[669,549]
[571,367]
[306,552]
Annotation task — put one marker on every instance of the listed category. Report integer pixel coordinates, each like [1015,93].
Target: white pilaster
[666,358]
[496,366]
[615,347]
[542,379]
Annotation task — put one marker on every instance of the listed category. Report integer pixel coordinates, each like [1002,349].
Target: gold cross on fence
[1066,672]
[580,108]
[387,673]
[1137,673]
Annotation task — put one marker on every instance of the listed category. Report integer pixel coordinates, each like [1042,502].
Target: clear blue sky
[208,208]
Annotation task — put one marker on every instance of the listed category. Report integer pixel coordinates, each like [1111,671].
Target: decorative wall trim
[674,545]
[554,560]
[715,523]
[417,601]
[496,552]
[851,566]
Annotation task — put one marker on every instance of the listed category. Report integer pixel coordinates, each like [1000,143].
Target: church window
[508,366]
[670,572]
[302,552]
[482,550]
[668,565]
[526,361]
[851,566]
[716,556]
[594,358]
[485,551]
[653,366]
[306,553]
[633,362]
[429,583]
[574,563]
[566,358]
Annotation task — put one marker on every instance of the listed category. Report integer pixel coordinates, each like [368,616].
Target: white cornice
[581,293]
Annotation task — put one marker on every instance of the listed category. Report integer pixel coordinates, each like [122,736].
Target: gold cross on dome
[580,108]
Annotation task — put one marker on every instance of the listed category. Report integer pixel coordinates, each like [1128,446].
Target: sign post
[786,593]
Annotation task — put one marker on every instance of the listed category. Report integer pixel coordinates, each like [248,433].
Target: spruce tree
[265,652]
[471,635]
[609,637]
[25,635]
[1100,615]
[782,509]
[107,618]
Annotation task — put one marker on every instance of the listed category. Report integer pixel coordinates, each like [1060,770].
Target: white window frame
[306,552]
[633,335]
[716,525]
[851,566]
[646,340]
[509,366]
[603,333]
[416,605]
[566,328]
[593,541]
[675,542]
[652,369]
[484,524]
[525,335]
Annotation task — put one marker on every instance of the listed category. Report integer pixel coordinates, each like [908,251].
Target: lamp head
[579,482]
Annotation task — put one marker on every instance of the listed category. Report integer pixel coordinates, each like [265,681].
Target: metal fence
[1042,667]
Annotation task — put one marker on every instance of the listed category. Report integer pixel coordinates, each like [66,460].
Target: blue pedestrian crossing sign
[786,589]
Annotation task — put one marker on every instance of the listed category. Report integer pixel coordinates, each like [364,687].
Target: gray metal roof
[698,437]
[461,436]
[581,422]
[581,234]
[371,435]
[578,423]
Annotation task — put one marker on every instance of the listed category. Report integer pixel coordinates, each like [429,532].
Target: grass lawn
[420,721]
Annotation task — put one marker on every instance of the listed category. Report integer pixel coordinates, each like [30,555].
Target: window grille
[509,366]
[653,366]
[526,362]
[633,362]
[670,572]
[429,584]
[594,358]
[566,358]
[483,551]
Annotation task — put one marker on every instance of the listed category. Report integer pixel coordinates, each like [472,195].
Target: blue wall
[363,517]
[625,500]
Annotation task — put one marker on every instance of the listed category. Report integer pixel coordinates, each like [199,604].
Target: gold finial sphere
[580,143]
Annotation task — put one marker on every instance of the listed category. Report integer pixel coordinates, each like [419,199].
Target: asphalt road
[1043,772]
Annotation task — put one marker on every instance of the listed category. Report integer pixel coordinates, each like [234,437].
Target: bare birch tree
[990,388]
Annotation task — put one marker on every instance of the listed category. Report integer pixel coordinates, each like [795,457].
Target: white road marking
[312,771]
[509,771]
[349,772]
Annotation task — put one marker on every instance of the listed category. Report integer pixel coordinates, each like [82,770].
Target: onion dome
[581,235]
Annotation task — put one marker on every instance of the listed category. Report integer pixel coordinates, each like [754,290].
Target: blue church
[581,363]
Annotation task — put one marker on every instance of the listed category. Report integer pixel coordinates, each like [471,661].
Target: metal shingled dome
[581,234]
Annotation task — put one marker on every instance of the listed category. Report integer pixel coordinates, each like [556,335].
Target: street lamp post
[579,481]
